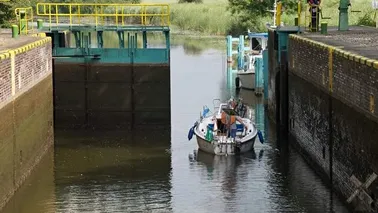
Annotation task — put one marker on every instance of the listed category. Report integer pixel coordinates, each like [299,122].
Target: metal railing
[25,18]
[105,14]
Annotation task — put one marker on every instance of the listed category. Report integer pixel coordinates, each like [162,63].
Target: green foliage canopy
[250,9]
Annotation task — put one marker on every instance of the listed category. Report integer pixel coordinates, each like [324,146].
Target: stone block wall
[332,112]
[26,111]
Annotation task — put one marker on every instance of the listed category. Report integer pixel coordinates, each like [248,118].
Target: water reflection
[108,172]
[191,45]
[150,171]
[228,171]
[36,195]
[100,172]
[192,48]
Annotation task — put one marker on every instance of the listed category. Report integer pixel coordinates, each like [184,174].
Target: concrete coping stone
[338,51]
[44,39]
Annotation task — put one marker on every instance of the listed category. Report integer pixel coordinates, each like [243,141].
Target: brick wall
[31,64]
[313,70]
[5,80]
[26,109]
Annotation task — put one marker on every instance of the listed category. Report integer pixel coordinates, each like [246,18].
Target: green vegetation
[5,14]
[220,17]
[210,17]
[236,16]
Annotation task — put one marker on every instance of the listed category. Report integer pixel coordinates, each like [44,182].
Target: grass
[213,18]
[208,18]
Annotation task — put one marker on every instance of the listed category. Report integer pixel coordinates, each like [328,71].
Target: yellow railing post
[116,16]
[102,15]
[70,17]
[169,15]
[299,13]
[50,14]
[96,15]
[56,14]
[78,9]
[278,15]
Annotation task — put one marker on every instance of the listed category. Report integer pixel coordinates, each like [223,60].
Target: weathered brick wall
[26,109]
[308,112]
[5,81]
[315,71]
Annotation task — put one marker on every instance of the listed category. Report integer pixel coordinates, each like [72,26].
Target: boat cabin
[257,43]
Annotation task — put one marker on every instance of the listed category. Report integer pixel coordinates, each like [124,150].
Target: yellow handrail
[24,16]
[78,12]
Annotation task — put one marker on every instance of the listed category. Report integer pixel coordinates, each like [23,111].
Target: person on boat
[229,122]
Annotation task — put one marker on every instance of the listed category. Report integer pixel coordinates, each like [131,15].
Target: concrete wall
[333,118]
[26,111]
[108,96]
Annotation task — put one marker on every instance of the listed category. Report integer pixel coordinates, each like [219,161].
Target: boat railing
[221,107]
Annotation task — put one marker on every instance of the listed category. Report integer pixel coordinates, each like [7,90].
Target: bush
[366,20]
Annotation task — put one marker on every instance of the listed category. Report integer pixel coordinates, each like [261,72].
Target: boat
[246,77]
[215,133]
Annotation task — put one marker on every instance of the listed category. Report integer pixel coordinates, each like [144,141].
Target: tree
[249,13]
[250,9]
[5,13]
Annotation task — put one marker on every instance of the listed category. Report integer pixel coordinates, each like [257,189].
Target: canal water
[161,171]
